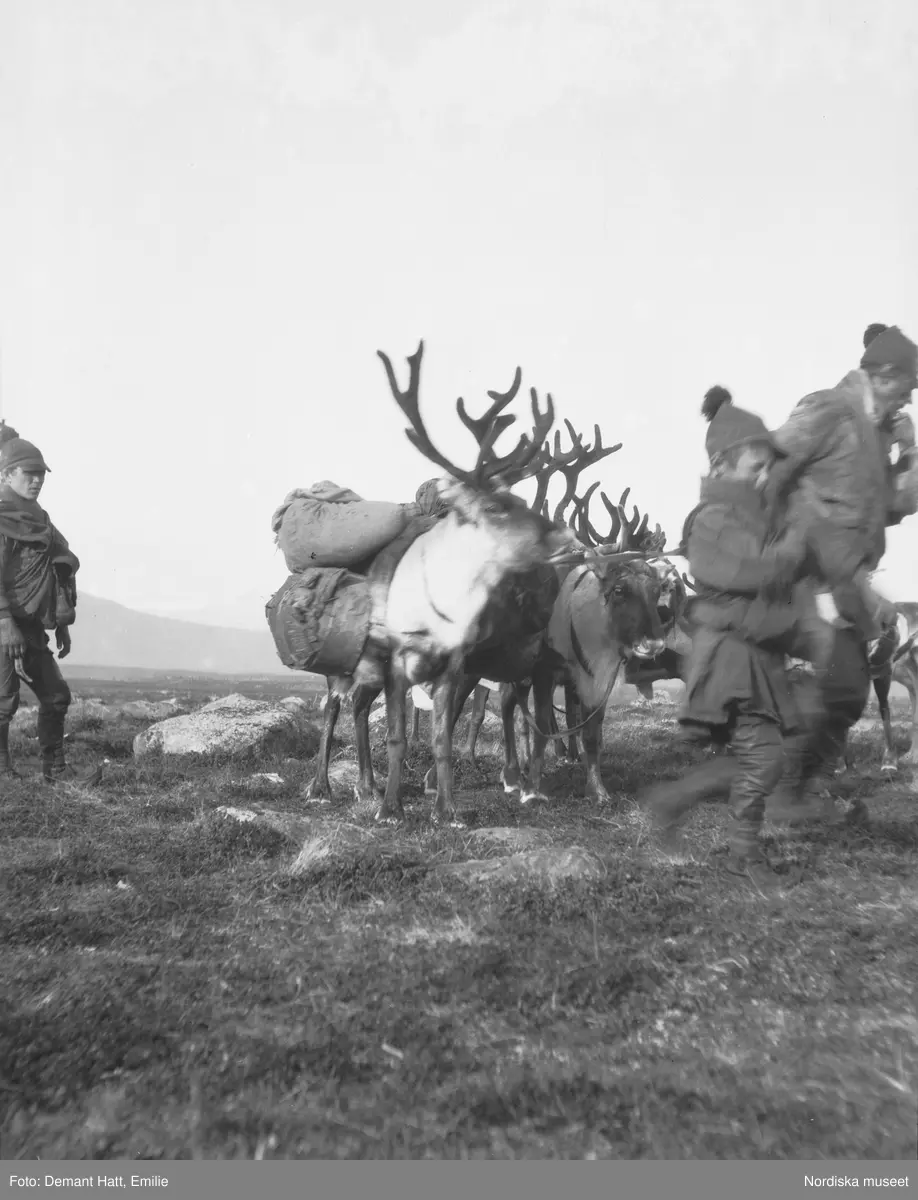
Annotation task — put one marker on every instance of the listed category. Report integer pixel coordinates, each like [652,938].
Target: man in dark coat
[743,621]
[838,486]
[37,593]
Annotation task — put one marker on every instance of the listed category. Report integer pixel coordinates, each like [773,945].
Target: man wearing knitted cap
[37,593]
[837,484]
[743,623]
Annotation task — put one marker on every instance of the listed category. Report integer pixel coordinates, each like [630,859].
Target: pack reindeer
[571,464]
[605,614]
[893,658]
[428,609]
[515,622]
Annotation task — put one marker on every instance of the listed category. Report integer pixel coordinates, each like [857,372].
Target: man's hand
[13,644]
[11,640]
[903,431]
[62,637]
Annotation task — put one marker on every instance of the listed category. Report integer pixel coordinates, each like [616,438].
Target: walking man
[836,485]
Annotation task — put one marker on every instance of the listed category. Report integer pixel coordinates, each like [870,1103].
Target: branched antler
[570,463]
[489,468]
[586,532]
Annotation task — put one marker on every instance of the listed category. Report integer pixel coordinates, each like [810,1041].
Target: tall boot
[7,770]
[670,803]
[54,767]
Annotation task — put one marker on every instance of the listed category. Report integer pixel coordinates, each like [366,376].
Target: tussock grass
[179,984]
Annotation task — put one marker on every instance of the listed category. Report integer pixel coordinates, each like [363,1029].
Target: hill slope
[109,635]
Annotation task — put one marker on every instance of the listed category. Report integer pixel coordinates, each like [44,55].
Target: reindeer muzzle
[648,648]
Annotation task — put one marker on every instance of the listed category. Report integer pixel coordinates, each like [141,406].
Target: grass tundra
[178,984]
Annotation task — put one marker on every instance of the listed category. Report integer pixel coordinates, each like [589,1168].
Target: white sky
[213,213]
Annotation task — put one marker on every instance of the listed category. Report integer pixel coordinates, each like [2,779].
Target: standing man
[37,593]
[838,487]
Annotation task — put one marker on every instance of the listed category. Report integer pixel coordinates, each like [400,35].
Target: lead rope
[563,733]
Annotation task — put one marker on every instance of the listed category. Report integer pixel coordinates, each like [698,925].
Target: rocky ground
[199,964]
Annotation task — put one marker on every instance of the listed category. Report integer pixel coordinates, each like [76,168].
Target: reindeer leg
[911,683]
[524,740]
[415,738]
[890,763]
[462,691]
[572,716]
[510,774]
[479,708]
[444,690]
[543,692]
[391,811]
[365,788]
[318,790]
[592,747]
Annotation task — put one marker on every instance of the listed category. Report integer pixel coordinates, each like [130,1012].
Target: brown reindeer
[429,603]
[606,612]
[893,658]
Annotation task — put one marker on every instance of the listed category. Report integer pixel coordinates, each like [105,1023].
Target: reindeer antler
[570,463]
[635,531]
[486,428]
[617,535]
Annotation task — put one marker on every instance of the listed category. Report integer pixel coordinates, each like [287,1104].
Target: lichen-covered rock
[546,866]
[233,727]
[506,839]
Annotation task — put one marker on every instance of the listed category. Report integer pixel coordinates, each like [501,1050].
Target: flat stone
[291,825]
[507,839]
[546,866]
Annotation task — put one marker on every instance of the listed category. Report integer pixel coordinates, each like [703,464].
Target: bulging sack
[320,620]
[330,526]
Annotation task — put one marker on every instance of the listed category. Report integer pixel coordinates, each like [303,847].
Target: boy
[37,592]
[744,616]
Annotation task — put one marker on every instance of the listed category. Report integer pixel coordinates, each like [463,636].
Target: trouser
[50,690]
[843,688]
[751,772]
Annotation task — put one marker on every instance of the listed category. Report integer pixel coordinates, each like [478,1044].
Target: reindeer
[606,612]
[428,607]
[515,622]
[893,658]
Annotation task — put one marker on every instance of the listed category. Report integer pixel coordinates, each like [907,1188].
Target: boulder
[505,839]
[233,727]
[545,866]
[290,825]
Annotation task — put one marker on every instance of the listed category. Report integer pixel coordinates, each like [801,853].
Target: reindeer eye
[618,591]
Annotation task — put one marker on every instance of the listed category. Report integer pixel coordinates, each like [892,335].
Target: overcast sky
[214,212]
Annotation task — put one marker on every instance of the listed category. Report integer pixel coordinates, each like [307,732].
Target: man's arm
[803,437]
[725,556]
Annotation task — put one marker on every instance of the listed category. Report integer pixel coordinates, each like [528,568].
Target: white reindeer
[427,610]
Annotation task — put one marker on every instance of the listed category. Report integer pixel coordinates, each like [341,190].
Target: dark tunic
[739,638]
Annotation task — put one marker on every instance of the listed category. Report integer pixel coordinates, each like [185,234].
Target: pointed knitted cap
[892,348]
[731,426]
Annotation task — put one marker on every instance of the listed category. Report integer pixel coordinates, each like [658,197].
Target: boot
[754,869]
[7,771]
[670,803]
[54,766]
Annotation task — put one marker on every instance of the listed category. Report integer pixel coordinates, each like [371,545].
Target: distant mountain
[107,634]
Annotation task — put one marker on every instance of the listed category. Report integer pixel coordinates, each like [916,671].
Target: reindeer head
[632,591]
[480,498]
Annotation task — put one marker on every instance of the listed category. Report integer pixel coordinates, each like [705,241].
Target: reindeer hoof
[313,794]
[447,820]
[533,797]
[389,817]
